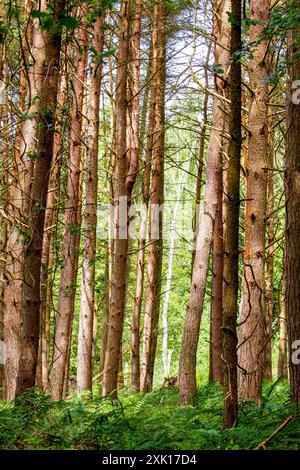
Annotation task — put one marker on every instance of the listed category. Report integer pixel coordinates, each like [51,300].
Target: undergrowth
[152,422]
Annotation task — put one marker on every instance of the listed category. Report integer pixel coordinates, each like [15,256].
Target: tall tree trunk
[282,365]
[187,364]
[4,193]
[67,286]
[24,248]
[154,268]
[118,289]
[231,241]
[269,300]
[292,198]
[216,363]
[251,331]
[87,306]
[138,297]
[50,231]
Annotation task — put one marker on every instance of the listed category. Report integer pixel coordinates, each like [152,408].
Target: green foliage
[152,421]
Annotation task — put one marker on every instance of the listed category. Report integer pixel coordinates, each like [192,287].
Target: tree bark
[282,365]
[251,330]
[87,306]
[154,267]
[67,286]
[50,231]
[187,364]
[216,363]
[22,292]
[292,221]
[269,297]
[231,240]
[118,289]
[138,297]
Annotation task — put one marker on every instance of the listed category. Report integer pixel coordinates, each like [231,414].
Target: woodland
[149,224]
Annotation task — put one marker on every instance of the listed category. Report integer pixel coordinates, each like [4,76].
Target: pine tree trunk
[22,292]
[67,286]
[231,240]
[50,231]
[282,365]
[292,198]
[87,306]
[216,363]
[138,297]
[118,288]
[269,300]
[4,227]
[251,332]
[154,266]
[213,168]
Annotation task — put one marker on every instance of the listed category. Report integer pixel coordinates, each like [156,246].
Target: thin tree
[87,305]
[118,288]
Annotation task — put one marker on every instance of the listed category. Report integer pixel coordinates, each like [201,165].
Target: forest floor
[149,422]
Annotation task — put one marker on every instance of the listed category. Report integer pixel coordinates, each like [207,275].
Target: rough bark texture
[4,194]
[67,286]
[118,290]
[50,226]
[292,198]
[24,248]
[187,365]
[282,365]
[138,297]
[251,332]
[87,305]
[154,266]
[269,300]
[216,363]
[231,240]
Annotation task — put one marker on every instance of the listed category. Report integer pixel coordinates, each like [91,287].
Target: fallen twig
[263,444]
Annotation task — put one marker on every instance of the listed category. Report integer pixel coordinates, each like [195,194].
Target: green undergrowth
[152,421]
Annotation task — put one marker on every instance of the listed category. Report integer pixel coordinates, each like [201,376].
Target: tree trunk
[4,191]
[22,292]
[50,231]
[67,286]
[231,240]
[251,332]
[187,364]
[154,268]
[118,289]
[138,297]
[282,366]
[292,198]
[216,364]
[87,306]
[269,300]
